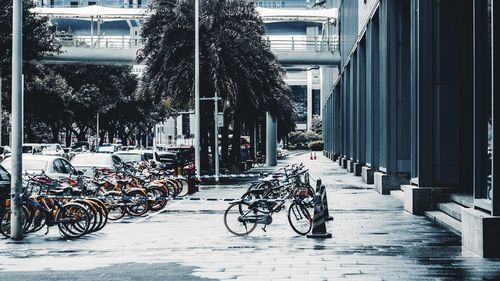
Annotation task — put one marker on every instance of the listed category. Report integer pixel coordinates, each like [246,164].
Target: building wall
[415,102]
[348,24]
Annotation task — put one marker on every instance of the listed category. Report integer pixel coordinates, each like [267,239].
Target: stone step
[398,194]
[445,220]
[463,199]
[452,209]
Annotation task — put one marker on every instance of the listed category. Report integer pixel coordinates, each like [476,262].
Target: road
[373,239]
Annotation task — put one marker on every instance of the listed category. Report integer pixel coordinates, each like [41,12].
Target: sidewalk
[373,239]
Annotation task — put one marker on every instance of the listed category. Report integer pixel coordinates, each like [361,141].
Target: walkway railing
[316,44]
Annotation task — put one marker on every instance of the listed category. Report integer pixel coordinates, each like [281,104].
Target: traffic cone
[319,220]
[314,155]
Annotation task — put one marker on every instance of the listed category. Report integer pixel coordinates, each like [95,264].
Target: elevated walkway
[121,50]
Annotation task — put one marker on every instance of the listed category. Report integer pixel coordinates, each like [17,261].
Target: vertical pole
[92,31]
[271,141]
[197,86]
[97,132]
[1,111]
[98,32]
[309,99]
[16,227]
[216,138]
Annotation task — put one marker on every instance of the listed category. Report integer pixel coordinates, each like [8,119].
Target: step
[398,194]
[463,199]
[453,209]
[446,221]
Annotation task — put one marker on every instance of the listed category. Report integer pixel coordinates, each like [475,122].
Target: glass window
[68,167]
[59,167]
[116,161]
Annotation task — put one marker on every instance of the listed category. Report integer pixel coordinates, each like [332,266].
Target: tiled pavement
[373,239]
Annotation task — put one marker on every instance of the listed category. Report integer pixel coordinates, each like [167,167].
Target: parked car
[32,148]
[109,148]
[86,162]
[52,166]
[53,149]
[4,188]
[81,146]
[69,153]
[130,156]
[4,152]
[148,155]
[168,159]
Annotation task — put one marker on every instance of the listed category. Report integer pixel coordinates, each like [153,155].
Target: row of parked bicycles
[270,195]
[82,205]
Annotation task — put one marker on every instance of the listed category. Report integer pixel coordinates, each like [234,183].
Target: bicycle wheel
[5,221]
[116,209]
[138,203]
[261,162]
[183,188]
[235,219]
[73,220]
[160,195]
[299,218]
[103,210]
[95,215]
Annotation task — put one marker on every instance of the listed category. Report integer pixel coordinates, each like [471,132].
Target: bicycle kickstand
[47,232]
[264,228]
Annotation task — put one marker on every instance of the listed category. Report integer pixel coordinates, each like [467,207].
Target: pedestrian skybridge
[98,48]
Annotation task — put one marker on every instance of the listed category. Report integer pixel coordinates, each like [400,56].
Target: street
[373,239]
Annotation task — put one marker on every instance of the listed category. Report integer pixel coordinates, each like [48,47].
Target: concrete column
[309,99]
[480,233]
[327,75]
[271,140]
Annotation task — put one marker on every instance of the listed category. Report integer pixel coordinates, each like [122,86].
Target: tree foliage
[235,62]
[38,36]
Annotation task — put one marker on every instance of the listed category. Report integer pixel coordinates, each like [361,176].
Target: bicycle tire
[299,218]
[157,192]
[238,210]
[5,221]
[73,220]
[141,205]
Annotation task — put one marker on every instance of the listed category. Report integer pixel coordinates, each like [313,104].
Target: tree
[104,89]
[235,62]
[45,112]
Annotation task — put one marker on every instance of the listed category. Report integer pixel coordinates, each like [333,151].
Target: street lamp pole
[98,141]
[16,226]
[197,148]
[216,133]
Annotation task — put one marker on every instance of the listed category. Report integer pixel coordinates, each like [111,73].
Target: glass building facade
[415,104]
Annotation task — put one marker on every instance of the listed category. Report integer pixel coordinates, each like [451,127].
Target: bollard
[311,157]
[320,213]
[314,155]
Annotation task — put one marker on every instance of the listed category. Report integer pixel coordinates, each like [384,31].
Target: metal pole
[97,131]
[216,138]
[197,147]
[92,31]
[1,111]
[16,226]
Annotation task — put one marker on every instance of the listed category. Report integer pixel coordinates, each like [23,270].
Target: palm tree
[235,62]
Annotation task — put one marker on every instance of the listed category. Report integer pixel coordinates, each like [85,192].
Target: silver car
[52,166]
[87,162]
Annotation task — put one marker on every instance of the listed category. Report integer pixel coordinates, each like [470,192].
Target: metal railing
[316,44]
[106,42]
